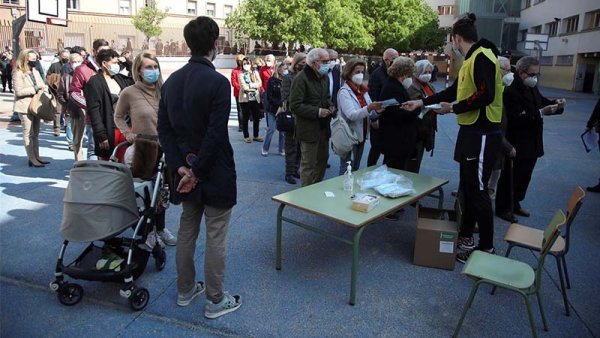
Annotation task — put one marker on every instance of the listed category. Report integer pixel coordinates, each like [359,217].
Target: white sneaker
[167,237]
[264,152]
[282,153]
[151,240]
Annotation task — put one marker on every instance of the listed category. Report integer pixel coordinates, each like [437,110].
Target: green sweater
[308,93]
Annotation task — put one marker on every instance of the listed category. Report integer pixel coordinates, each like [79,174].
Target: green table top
[339,208]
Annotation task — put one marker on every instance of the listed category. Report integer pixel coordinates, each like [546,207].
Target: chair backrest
[551,233]
[573,206]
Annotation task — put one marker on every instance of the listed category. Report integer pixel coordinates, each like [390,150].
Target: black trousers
[292,154]
[6,78]
[376,145]
[477,154]
[250,109]
[522,171]
[239,112]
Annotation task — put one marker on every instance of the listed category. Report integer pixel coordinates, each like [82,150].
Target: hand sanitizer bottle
[348,179]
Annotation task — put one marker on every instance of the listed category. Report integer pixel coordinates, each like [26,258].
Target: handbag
[284,120]
[42,105]
[343,138]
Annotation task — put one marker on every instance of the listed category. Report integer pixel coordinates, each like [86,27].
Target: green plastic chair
[510,274]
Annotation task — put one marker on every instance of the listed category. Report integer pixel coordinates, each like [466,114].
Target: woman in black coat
[399,127]
[101,95]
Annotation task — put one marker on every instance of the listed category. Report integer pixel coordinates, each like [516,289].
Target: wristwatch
[190,158]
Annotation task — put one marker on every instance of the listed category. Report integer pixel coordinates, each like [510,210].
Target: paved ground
[308,297]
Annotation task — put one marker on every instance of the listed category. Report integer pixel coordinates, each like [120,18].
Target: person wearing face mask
[235,83]
[376,81]
[265,74]
[273,99]
[525,108]
[249,99]
[334,75]
[507,150]
[192,128]
[27,83]
[73,132]
[292,146]
[101,94]
[63,59]
[478,92]
[140,103]
[399,127]
[53,79]
[311,104]
[356,107]
[81,76]
[421,88]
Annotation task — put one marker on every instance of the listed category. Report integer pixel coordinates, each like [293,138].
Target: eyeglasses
[533,74]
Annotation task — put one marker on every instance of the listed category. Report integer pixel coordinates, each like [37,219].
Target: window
[445,10]
[546,60]
[536,29]
[552,28]
[73,4]
[592,20]
[191,7]
[526,3]
[570,24]
[228,10]
[10,2]
[210,9]
[522,35]
[33,39]
[564,60]
[124,6]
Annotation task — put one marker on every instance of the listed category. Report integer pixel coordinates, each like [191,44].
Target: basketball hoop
[57,22]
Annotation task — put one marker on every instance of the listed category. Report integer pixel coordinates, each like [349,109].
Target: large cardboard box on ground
[436,237]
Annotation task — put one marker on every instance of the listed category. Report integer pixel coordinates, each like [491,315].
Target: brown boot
[36,151]
[31,160]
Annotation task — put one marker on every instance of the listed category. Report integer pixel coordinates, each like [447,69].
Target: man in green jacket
[311,103]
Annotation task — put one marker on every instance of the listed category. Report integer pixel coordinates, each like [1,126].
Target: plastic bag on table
[396,189]
[377,177]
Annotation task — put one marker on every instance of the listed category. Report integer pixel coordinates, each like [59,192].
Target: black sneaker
[463,257]
[595,188]
[466,243]
[290,179]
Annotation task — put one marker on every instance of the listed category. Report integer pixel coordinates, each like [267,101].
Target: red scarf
[359,92]
[360,95]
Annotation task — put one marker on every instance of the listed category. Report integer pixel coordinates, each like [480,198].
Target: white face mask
[530,81]
[407,82]
[331,65]
[425,77]
[286,72]
[247,68]
[508,79]
[269,64]
[75,65]
[358,78]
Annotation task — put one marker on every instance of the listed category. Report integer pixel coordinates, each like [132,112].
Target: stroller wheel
[160,257]
[139,299]
[70,294]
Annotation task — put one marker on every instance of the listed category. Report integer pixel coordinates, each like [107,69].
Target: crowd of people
[106,98]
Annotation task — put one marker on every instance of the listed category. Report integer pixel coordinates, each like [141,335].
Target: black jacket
[525,122]
[399,127]
[376,81]
[100,109]
[274,100]
[595,117]
[192,119]
[337,83]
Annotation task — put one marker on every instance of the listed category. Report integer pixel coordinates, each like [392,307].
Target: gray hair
[402,66]
[315,55]
[421,65]
[75,57]
[270,56]
[525,62]
[332,52]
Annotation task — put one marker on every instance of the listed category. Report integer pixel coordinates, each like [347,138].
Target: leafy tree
[148,20]
[344,26]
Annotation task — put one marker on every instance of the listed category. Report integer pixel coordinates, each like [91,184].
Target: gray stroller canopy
[99,201]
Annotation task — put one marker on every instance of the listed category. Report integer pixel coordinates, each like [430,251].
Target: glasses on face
[533,74]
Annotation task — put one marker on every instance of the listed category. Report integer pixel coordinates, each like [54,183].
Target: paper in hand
[590,140]
[390,102]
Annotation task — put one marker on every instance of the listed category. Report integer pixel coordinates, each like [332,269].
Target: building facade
[446,10]
[572,58]
[111,20]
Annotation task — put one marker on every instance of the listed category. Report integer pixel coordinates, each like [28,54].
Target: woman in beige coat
[26,83]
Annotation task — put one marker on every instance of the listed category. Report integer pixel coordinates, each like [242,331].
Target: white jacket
[352,112]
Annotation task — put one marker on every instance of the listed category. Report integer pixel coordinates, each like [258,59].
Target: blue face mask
[324,69]
[457,52]
[151,75]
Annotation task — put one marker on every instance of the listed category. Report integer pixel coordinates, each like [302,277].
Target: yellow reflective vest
[467,86]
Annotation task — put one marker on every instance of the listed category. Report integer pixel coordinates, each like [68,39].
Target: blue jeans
[270,131]
[89,133]
[68,130]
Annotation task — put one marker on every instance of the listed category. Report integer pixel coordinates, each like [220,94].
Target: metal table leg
[278,240]
[355,247]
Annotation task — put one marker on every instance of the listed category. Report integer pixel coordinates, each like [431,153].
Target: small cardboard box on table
[436,237]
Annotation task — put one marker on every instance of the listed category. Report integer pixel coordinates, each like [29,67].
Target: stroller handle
[113,156]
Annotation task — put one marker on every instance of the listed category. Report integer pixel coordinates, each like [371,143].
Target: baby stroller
[101,202]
